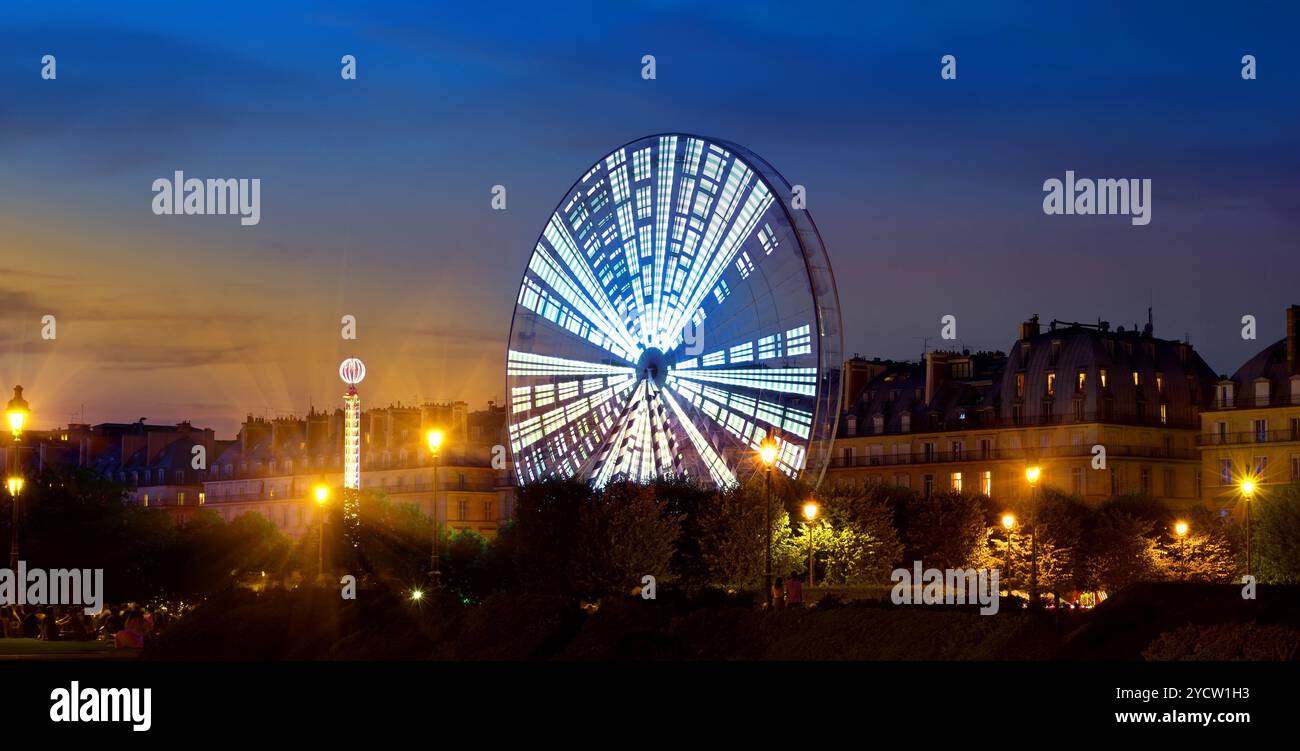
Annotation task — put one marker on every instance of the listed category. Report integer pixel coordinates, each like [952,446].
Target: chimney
[1029,328]
[1292,314]
[936,368]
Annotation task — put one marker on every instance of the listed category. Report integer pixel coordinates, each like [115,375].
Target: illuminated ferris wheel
[675,313]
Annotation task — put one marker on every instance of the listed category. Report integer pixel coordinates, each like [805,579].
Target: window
[460,481]
[986,482]
[1221,430]
[1261,431]
[903,481]
[877,423]
[848,456]
[1164,414]
[956,481]
[1160,383]
[1170,490]
[1146,480]
[1076,480]
[1078,411]
[1020,385]
[180,498]
[986,448]
[851,425]
[462,509]
[1261,468]
[487,510]
[906,422]
[1101,377]
[146,499]
[956,451]
[927,450]
[927,486]
[1051,383]
[1225,471]
[1114,481]
[1197,481]
[202,497]
[1295,468]
[1081,380]
[1137,379]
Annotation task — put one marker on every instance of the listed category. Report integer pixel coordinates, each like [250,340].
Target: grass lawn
[36,647]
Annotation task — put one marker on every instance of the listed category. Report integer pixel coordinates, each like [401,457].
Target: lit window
[956,482]
[986,482]
[1082,380]
[1051,383]
[1102,378]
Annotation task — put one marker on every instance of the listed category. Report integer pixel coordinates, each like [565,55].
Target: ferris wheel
[675,313]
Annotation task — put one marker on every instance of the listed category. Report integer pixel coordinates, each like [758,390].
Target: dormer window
[1081,380]
[851,425]
[1160,383]
[878,423]
[1051,383]
[1137,379]
[1056,350]
[1101,377]
[906,422]
[1261,392]
[1020,385]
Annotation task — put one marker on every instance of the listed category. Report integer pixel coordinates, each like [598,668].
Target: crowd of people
[126,626]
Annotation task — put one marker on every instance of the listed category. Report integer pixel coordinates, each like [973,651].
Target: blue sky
[375,191]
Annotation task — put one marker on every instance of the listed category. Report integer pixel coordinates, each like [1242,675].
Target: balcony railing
[1253,436]
[948,457]
[1184,418]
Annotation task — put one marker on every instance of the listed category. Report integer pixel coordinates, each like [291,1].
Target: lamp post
[810,510]
[1248,490]
[435,438]
[1031,476]
[322,497]
[1009,524]
[16,413]
[1180,529]
[767,452]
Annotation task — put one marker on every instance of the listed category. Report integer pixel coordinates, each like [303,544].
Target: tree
[855,539]
[945,530]
[544,534]
[1121,551]
[733,535]
[624,534]
[1276,528]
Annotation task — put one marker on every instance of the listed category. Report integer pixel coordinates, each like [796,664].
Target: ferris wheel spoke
[720,249]
[748,417]
[711,460]
[597,312]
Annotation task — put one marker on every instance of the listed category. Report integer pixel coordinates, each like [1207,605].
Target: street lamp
[1248,490]
[1009,524]
[322,497]
[810,510]
[435,439]
[16,413]
[1031,476]
[1180,529]
[767,452]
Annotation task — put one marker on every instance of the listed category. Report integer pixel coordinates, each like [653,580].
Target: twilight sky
[375,192]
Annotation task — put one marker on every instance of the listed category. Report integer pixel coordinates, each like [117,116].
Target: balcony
[1253,436]
[949,457]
